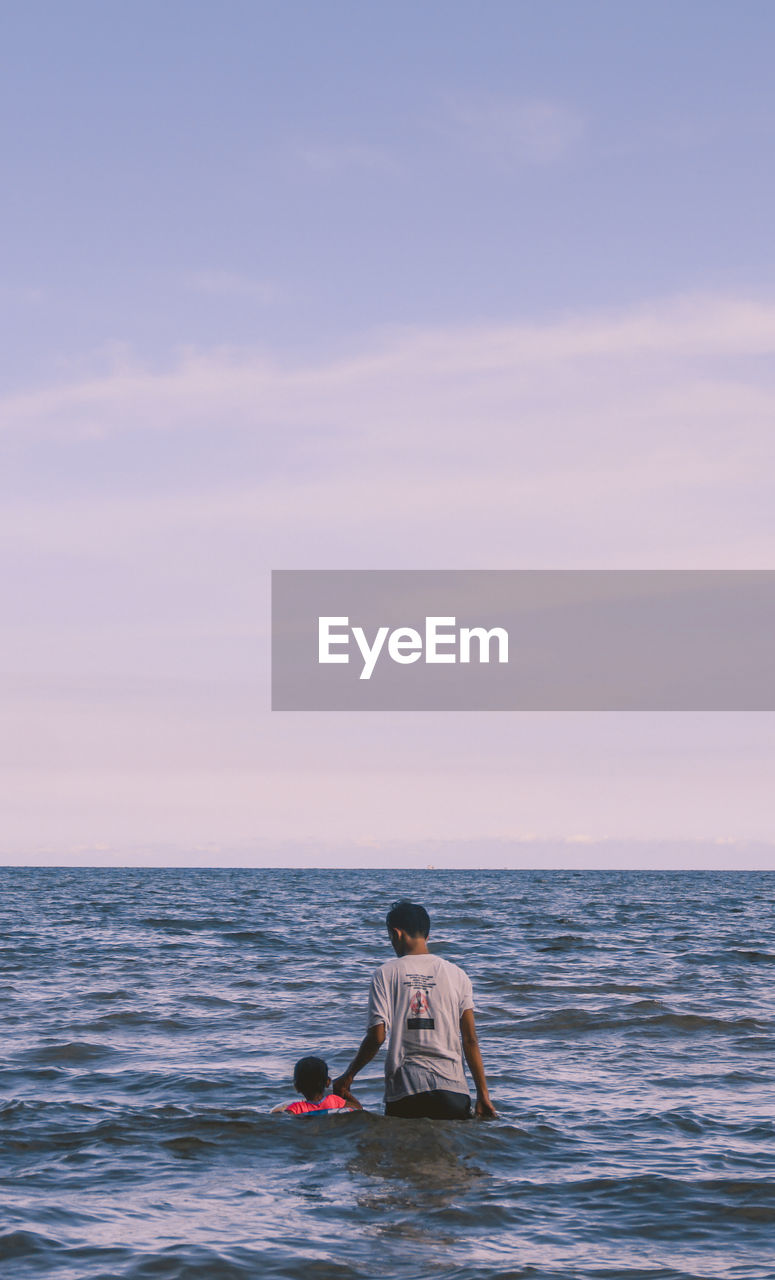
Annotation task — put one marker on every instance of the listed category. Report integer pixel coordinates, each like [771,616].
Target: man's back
[421,999]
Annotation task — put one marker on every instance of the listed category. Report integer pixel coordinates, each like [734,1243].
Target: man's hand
[342,1085]
[342,1088]
[484,1109]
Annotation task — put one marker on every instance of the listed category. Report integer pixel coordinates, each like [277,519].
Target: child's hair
[310,1076]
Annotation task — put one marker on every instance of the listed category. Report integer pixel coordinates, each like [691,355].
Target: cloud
[229,284]
[514,133]
[27,296]
[655,400]
[633,439]
[335,158]
[638,439]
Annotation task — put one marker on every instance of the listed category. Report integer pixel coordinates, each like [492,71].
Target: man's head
[408,925]
[310,1077]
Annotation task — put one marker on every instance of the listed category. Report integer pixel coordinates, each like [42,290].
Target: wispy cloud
[230,284]
[26,295]
[334,158]
[645,435]
[512,133]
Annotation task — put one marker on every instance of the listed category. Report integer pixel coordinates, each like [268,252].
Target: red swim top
[302,1107]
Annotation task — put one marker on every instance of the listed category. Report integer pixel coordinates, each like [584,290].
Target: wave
[66,1053]
[567,942]
[133,1019]
[15,1245]
[647,1015]
[728,956]
[188,924]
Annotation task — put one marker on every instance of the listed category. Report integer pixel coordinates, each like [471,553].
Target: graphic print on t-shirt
[420,1016]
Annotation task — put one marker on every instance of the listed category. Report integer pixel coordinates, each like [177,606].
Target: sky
[440,286]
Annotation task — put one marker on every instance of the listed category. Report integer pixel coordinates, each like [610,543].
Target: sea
[150,1020]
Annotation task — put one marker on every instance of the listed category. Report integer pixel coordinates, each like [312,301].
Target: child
[311,1078]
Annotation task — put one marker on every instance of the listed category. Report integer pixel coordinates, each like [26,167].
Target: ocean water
[150,1019]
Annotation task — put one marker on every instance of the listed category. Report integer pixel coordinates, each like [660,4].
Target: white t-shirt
[421,999]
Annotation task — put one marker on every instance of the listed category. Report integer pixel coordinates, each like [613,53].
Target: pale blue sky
[294,173]
[348,285]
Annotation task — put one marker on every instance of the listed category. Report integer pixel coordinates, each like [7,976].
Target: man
[426,1005]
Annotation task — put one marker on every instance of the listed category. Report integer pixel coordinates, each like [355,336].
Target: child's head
[310,1077]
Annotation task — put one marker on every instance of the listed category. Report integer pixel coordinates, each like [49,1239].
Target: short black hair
[310,1076]
[409,916]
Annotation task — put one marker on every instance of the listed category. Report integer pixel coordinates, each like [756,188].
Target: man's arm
[473,1057]
[369,1046]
